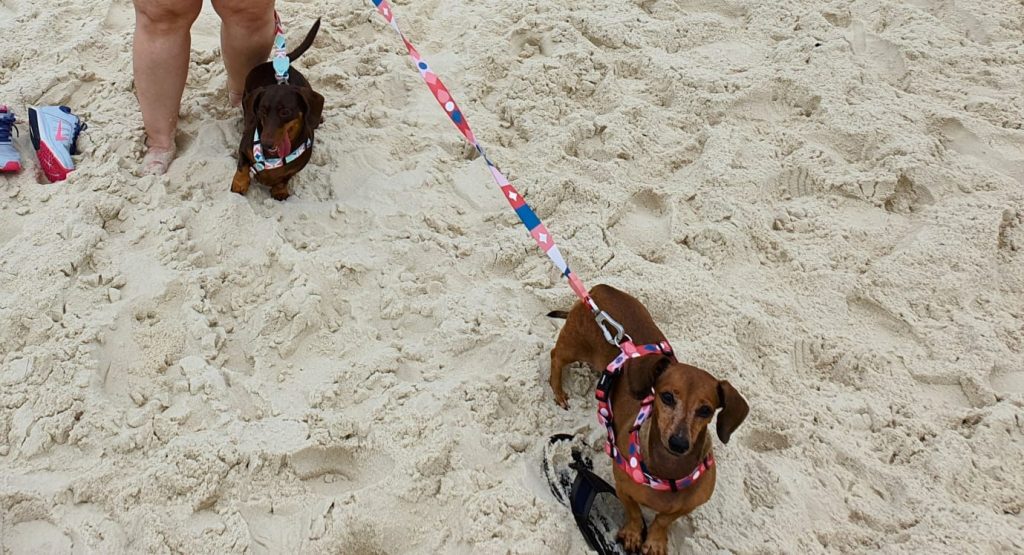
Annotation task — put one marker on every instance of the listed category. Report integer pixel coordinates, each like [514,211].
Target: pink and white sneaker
[54,131]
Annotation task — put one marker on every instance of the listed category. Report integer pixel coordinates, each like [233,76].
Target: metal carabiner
[603,321]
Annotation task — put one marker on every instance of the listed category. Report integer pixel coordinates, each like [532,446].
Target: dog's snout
[679,443]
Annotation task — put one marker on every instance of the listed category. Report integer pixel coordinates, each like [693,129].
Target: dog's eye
[704,412]
[668,399]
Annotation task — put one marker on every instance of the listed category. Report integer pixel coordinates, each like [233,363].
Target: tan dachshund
[674,440]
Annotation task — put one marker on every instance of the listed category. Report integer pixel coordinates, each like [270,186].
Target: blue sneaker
[10,160]
[55,132]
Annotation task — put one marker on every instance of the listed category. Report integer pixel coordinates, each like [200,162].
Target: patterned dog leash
[632,463]
[613,331]
[279,54]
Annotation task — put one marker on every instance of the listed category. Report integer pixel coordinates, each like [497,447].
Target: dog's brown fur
[276,109]
[695,396]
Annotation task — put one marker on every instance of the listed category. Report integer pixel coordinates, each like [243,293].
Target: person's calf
[246,36]
[160,51]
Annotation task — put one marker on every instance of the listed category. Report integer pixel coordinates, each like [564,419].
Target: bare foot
[157,160]
[235,98]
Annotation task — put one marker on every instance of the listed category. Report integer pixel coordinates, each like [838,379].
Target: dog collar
[260,163]
[632,463]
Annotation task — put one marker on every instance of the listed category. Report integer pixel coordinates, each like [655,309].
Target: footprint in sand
[730,11]
[796,181]
[765,441]
[1002,153]
[763,486]
[119,16]
[34,536]
[883,58]
[336,470]
[644,223]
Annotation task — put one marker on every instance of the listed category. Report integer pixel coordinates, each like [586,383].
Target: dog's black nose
[678,443]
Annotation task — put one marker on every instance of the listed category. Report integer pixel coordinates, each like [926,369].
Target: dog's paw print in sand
[907,197]
[527,44]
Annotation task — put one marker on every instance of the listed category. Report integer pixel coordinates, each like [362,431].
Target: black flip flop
[596,508]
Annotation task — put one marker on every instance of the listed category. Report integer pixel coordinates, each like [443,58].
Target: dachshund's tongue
[284,148]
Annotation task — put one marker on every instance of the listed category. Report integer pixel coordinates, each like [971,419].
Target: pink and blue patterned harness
[632,463]
[612,330]
[279,59]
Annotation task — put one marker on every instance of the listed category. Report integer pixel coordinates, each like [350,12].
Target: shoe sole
[52,167]
[11,167]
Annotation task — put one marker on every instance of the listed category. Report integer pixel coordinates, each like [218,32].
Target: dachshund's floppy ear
[314,107]
[642,373]
[734,410]
[250,101]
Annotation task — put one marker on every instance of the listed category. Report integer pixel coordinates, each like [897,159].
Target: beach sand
[822,202]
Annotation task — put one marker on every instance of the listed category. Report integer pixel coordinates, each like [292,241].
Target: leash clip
[603,321]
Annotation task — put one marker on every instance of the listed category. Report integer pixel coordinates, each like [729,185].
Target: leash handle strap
[613,331]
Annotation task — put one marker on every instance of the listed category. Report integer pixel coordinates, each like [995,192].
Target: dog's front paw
[240,183]
[632,537]
[562,399]
[279,193]
[652,547]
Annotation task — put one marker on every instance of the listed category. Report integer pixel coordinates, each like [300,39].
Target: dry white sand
[821,201]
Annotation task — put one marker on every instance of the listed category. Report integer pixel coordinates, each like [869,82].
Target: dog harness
[612,330]
[281,64]
[633,462]
[260,163]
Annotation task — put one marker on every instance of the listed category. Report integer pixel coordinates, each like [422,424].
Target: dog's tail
[306,42]
[560,314]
